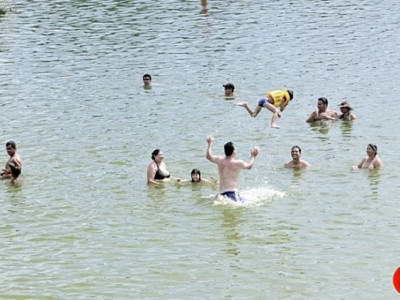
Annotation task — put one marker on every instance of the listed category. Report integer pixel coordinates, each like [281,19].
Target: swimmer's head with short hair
[229,148]
[229,86]
[296,147]
[12,144]
[323,100]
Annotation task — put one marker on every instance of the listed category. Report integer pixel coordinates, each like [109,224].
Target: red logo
[396,280]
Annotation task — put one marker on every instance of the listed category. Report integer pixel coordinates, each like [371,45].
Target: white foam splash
[253,197]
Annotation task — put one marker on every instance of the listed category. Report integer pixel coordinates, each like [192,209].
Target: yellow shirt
[277,97]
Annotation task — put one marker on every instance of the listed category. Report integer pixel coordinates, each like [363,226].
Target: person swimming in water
[346,109]
[196,178]
[372,161]
[157,170]
[297,162]
[229,168]
[274,100]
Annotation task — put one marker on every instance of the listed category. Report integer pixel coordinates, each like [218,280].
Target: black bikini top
[160,175]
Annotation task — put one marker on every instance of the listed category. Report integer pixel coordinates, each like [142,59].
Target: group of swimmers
[229,167]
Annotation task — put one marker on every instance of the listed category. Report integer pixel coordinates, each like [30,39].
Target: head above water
[229,148]
[229,86]
[11,144]
[296,147]
[195,172]
[323,100]
[345,104]
[155,153]
[373,147]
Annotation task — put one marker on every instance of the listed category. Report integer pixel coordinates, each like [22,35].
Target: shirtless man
[296,161]
[322,113]
[372,161]
[15,159]
[229,168]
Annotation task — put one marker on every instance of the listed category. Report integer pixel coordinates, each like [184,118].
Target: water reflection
[321,127]
[231,220]
[374,180]
[346,127]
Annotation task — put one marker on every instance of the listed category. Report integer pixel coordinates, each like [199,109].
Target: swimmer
[372,161]
[196,178]
[296,161]
[322,112]
[346,109]
[15,159]
[229,90]
[147,81]
[275,99]
[157,170]
[229,168]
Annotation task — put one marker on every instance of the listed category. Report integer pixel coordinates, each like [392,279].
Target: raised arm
[209,155]
[248,165]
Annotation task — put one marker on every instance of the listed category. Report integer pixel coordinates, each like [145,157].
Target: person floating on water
[229,168]
[274,100]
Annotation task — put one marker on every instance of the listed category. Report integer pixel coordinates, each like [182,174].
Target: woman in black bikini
[157,170]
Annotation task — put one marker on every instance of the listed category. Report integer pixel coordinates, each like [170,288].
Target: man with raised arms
[229,168]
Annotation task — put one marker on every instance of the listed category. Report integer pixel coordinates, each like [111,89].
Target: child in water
[275,99]
[196,178]
[15,172]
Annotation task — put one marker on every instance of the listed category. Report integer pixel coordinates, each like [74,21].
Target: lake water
[84,224]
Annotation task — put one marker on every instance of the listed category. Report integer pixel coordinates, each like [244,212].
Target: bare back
[229,170]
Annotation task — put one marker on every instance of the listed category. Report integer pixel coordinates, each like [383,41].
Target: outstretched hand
[255,151]
[210,139]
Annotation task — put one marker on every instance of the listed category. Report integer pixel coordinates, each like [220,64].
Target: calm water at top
[84,224]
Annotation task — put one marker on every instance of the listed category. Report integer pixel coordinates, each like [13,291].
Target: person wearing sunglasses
[147,81]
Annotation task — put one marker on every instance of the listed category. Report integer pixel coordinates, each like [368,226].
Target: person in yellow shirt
[274,100]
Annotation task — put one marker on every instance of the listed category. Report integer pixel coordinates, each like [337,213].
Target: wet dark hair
[12,144]
[323,100]
[15,171]
[290,92]
[373,147]
[155,153]
[195,171]
[228,148]
[147,76]
[296,147]
[229,86]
